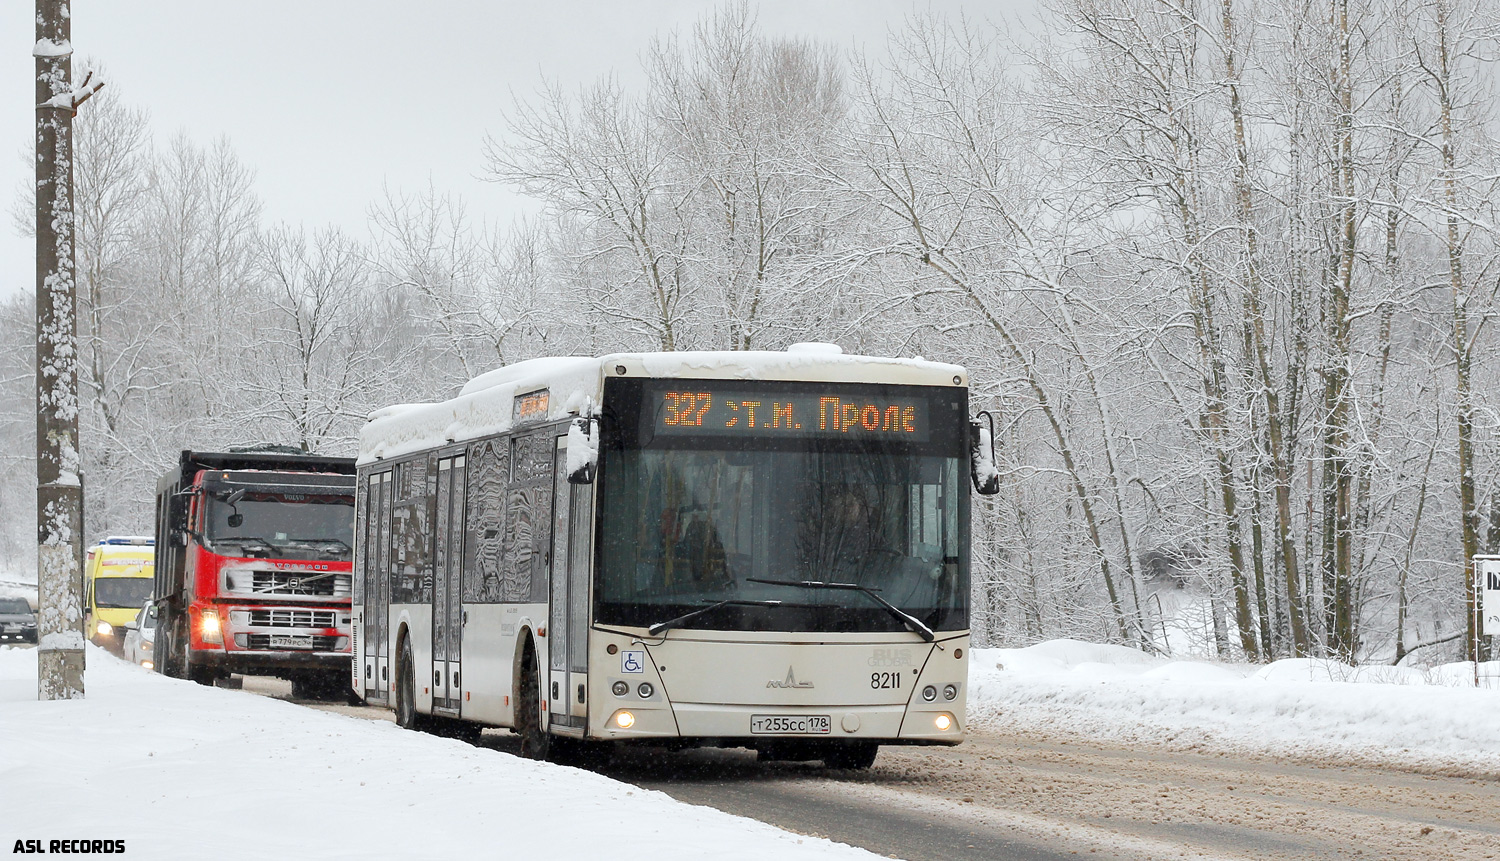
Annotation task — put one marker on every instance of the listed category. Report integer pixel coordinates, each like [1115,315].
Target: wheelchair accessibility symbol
[632,662]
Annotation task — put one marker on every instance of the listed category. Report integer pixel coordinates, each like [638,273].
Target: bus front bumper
[887,724]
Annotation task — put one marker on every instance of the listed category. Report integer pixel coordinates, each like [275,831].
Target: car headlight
[105,629]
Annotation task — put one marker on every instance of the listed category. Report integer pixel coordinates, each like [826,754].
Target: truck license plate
[291,641]
[790,724]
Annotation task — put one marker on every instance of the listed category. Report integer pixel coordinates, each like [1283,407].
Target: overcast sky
[328,101]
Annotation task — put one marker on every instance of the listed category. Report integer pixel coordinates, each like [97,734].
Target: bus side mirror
[982,468]
[583,450]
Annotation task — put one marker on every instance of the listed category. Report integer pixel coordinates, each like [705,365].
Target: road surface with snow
[1077,749]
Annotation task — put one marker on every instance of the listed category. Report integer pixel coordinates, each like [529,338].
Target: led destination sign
[705,412]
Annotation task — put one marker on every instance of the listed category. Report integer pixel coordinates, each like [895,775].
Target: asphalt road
[1007,797]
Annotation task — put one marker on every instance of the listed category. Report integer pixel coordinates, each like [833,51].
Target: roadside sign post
[1487,607]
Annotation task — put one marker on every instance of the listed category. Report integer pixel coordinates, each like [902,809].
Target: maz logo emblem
[791,681]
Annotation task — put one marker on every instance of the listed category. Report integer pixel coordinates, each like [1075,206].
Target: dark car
[17,622]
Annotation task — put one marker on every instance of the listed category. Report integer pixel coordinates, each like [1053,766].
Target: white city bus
[757,549]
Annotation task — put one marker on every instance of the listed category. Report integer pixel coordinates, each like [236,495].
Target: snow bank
[1426,720]
[171,767]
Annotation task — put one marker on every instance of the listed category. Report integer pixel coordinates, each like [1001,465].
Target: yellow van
[118,577]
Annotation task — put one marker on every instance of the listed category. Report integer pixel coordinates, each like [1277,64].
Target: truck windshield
[129,592]
[690,520]
[270,525]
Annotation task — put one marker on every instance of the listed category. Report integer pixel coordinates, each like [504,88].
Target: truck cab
[253,568]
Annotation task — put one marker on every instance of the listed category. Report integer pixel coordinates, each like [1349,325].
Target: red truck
[253,556]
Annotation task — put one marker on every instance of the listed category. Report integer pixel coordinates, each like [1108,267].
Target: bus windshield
[129,592]
[690,520]
[273,526]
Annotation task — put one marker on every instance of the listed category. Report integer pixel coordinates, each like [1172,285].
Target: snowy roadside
[1313,710]
[173,768]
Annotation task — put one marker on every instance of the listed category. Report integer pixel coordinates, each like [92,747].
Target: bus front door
[568,623]
[377,586]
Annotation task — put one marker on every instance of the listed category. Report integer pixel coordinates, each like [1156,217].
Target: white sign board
[1487,571]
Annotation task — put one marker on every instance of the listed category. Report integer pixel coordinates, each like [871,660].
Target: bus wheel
[406,691]
[535,740]
[854,754]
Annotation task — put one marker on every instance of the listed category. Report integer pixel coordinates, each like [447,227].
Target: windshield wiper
[663,627]
[244,540]
[911,622]
[337,541]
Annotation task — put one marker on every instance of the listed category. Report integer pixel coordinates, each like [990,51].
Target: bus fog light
[105,629]
[929,693]
[950,691]
[624,720]
[645,690]
[620,689]
[943,722]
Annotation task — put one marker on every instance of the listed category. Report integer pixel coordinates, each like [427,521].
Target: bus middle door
[447,604]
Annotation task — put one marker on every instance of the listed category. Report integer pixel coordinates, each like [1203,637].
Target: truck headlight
[104,629]
[208,627]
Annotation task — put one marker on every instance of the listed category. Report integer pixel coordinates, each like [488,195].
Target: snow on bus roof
[486,404]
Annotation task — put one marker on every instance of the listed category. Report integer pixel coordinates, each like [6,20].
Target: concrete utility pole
[59,493]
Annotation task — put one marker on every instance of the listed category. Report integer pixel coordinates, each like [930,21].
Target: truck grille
[263,641]
[293,618]
[300,583]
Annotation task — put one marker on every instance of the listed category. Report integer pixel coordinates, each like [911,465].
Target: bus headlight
[943,722]
[645,690]
[929,693]
[105,629]
[620,689]
[950,691]
[208,627]
[624,719]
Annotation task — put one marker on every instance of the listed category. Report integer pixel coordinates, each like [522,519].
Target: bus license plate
[790,724]
[291,641]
